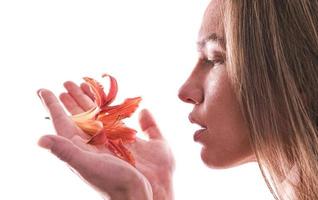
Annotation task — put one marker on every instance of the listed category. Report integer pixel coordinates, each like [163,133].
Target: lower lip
[198,134]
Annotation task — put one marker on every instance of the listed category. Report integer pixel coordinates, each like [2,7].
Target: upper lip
[194,120]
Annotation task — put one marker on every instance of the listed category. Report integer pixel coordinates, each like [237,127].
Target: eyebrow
[211,38]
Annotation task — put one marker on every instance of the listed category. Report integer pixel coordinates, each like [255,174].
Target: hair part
[272,60]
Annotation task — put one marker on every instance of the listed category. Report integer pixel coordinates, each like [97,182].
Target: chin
[221,162]
[212,161]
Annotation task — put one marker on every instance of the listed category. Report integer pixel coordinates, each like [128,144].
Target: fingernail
[46,142]
[39,93]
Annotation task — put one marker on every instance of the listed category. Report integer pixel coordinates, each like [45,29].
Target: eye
[213,61]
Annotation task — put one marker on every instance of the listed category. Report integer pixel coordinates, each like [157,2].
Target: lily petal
[98,139]
[126,134]
[113,89]
[103,100]
[126,109]
[104,123]
[118,148]
[90,114]
[97,90]
[91,127]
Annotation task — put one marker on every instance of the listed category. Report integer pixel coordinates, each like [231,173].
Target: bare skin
[224,140]
[106,173]
[224,137]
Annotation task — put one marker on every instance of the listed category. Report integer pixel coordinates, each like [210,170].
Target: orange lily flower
[104,122]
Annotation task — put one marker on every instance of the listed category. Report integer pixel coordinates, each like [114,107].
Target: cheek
[227,142]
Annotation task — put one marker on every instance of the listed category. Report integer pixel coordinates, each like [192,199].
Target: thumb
[148,125]
[63,149]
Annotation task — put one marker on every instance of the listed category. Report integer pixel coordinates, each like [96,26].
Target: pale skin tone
[106,173]
[215,106]
[208,89]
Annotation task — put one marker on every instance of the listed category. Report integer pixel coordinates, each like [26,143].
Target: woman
[254,92]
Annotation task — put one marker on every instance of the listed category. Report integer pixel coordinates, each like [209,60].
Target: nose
[191,92]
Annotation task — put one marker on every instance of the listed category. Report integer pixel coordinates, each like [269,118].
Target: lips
[201,129]
[197,135]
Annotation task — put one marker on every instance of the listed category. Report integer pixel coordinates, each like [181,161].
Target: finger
[65,150]
[79,96]
[148,125]
[100,170]
[63,124]
[70,104]
[87,90]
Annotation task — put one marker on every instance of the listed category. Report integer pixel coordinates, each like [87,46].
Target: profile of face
[224,134]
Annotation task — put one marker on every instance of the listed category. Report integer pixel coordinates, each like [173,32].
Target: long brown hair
[272,60]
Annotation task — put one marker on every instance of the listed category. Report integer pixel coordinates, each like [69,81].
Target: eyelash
[213,62]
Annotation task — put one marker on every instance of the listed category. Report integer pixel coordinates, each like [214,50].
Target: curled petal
[118,148]
[91,127]
[102,100]
[98,139]
[90,114]
[113,88]
[104,123]
[126,134]
[111,114]
[97,89]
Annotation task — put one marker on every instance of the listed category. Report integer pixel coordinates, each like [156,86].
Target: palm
[105,172]
[153,157]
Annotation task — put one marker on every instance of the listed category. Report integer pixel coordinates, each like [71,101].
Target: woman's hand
[106,173]
[154,158]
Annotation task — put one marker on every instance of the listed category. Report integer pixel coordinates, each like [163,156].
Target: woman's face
[224,134]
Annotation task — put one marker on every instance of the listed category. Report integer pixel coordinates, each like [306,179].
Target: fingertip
[63,95]
[145,118]
[83,85]
[145,113]
[88,90]
[148,124]
[145,110]
[46,142]
[40,92]
[140,114]
[68,85]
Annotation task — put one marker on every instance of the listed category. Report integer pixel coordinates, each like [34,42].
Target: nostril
[181,95]
[189,100]
[190,94]
[192,98]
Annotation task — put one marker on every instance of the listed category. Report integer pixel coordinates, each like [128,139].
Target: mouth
[200,129]
[198,134]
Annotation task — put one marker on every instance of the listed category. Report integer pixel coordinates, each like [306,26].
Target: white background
[148,45]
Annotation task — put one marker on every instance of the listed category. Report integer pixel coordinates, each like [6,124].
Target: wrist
[138,188]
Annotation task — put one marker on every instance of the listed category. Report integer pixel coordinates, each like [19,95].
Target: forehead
[212,22]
